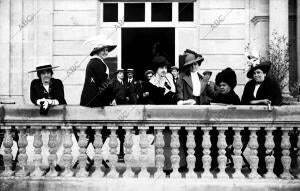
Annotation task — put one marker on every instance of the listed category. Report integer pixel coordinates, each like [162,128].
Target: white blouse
[196,83]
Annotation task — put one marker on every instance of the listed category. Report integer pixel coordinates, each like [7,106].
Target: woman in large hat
[95,91]
[261,89]
[46,90]
[190,84]
[226,81]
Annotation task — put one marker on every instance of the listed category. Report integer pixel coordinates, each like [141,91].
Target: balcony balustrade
[200,138]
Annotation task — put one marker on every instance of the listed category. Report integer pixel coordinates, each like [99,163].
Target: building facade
[53,32]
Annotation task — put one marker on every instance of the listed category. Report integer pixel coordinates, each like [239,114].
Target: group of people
[184,86]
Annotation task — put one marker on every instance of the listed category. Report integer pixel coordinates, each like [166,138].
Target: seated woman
[190,85]
[261,89]
[161,85]
[226,81]
[46,90]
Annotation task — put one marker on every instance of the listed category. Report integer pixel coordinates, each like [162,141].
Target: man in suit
[133,88]
[95,91]
[119,88]
[175,73]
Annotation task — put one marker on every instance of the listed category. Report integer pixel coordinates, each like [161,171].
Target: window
[186,12]
[161,12]
[110,12]
[134,12]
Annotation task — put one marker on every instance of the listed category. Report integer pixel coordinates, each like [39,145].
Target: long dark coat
[269,89]
[184,87]
[94,92]
[56,91]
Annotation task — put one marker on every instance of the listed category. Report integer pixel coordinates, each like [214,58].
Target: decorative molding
[257,19]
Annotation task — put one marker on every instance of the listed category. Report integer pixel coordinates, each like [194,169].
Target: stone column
[270,159]
[279,19]
[38,157]
[222,159]
[298,39]
[286,159]
[175,159]
[159,157]
[22,157]
[113,144]
[7,156]
[253,145]
[128,144]
[191,159]
[206,158]
[98,143]
[237,158]
[67,156]
[144,145]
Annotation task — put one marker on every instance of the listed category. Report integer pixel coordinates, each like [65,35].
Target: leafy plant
[278,54]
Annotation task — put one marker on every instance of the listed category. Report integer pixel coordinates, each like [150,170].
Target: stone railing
[204,133]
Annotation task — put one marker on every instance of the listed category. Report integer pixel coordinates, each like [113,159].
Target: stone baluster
[38,158]
[298,158]
[175,159]
[67,155]
[7,157]
[52,158]
[128,144]
[237,158]
[270,159]
[222,159]
[253,145]
[22,157]
[82,158]
[144,145]
[98,143]
[159,157]
[113,144]
[286,159]
[206,158]
[191,159]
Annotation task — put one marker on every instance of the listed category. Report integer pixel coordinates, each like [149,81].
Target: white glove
[38,102]
[180,102]
[46,104]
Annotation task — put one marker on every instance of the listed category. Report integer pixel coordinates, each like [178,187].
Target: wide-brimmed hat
[159,61]
[43,67]
[228,76]
[148,72]
[192,58]
[100,42]
[207,72]
[264,66]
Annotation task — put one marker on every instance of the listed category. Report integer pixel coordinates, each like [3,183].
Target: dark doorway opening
[137,47]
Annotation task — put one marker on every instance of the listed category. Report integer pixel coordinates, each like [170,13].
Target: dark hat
[159,61]
[192,58]
[264,66]
[110,48]
[148,72]
[43,67]
[174,68]
[228,76]
[207,72]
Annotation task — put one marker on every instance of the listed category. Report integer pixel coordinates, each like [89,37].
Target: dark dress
[229,98]
[95,90]
[157,96]
[56,91]
[119,92]
[269,89]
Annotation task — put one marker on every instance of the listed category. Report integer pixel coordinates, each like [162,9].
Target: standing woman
[261,89]
[95,91]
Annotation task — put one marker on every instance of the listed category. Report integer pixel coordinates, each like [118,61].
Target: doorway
[138,47]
